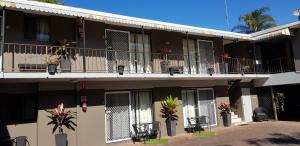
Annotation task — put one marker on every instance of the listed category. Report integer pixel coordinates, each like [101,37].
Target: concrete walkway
[272,133]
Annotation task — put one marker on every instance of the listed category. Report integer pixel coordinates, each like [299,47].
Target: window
[18,108]
[36,28]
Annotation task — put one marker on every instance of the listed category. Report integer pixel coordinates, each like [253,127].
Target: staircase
[235,120]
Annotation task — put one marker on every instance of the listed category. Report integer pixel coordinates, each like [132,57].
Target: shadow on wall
[276,139]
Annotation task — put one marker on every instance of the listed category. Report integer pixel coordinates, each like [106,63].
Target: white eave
[34,6]
[282,30]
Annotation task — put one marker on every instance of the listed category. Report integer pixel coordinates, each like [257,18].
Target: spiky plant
[60,118]
[168,109]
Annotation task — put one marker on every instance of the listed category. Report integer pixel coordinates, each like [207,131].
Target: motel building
[120,68]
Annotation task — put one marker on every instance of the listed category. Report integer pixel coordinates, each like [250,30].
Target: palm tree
[52,1]
[255,21]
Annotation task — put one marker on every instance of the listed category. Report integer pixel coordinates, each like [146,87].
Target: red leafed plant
[168,110]
[60,118]
[224,108]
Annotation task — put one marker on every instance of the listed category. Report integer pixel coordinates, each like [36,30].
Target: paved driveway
[272,133]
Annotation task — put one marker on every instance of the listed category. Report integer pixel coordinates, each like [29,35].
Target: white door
[189,105]
[247,106]
[207,105]
[117,114]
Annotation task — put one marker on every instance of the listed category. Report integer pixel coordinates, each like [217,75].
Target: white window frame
[214,100]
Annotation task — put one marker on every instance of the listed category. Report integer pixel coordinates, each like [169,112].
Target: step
[234,116]
[237,120]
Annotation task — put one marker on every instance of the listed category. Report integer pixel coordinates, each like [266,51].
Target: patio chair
[140,132]
[155,130]
[203,121]
[192,124]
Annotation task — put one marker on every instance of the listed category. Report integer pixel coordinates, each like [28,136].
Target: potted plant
[225,113]
[52,65]
[210,71]
[168,110]
[59,119]
[245,69]
[279,101]
[62,48]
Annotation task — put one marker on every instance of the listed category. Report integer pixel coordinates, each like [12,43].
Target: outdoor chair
[141,132]
[203,121]
[192,124]
[155,130]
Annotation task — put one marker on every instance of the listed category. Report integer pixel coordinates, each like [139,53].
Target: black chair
[203,121]
[155,130]
[192,124]
[140,132]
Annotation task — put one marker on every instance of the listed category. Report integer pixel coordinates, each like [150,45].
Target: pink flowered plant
[224,108]
[60,118]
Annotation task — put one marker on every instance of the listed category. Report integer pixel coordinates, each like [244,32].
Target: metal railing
[35,58]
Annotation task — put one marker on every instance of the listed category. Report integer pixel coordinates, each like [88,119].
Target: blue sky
[202,13]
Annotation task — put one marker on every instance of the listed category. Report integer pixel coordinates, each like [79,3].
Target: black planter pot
[226,119]
[171,71]
[210,71]
[171,127]
[61,139]
[52,69]
[121,69]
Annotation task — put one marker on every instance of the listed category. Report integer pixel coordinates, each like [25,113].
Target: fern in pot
[60,119]
[168,110]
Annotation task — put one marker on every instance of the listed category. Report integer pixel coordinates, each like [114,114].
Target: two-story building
[125,66]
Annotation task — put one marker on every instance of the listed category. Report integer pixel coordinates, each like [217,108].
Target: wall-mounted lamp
[84,103]
[121,69]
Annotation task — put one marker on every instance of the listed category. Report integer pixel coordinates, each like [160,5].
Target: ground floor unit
[270,133]
[113,106]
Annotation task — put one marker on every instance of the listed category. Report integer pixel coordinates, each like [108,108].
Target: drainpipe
[144,60]
[273,102]
[188,51]
[3,38]
[84,61]
[223,53]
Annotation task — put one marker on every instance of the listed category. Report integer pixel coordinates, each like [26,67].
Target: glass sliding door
[189,105]
[207,105]
[140,50]
[190,56]
[117,48]
[206,55]
[141,107]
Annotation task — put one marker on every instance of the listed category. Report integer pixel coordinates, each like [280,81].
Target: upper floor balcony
[25,58]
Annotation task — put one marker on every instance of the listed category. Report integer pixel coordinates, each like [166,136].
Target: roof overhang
[275,34]
[67,11]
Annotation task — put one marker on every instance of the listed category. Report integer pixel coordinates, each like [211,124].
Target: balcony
[33,58]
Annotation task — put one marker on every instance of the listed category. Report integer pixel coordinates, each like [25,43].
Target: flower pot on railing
[52,69]
[121,69]
[172,71]
[52,65]
[61,139]
[65,63]
[210,71]
[164,66]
